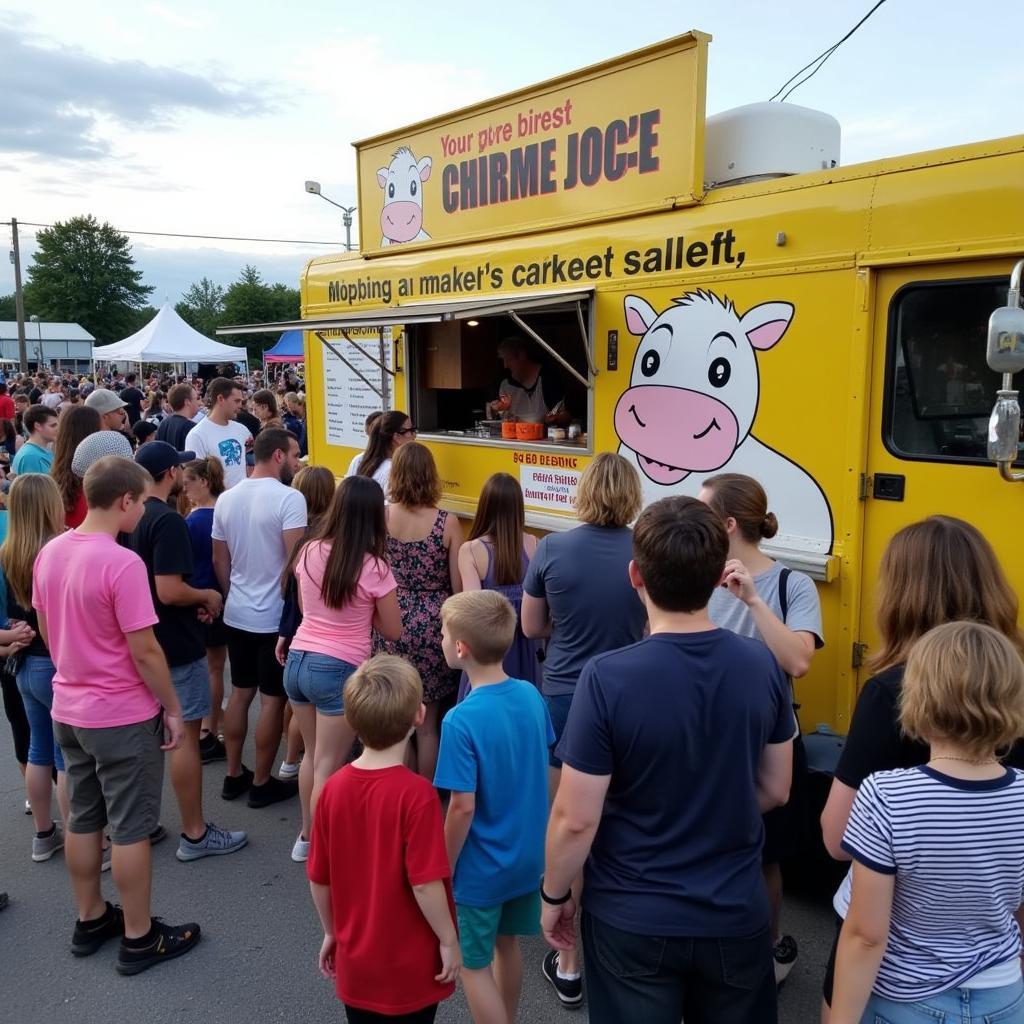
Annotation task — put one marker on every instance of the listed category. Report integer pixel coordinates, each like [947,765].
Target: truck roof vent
[768,140]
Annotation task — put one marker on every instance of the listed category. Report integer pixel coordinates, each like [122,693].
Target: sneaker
[158,835]
[300,851]
[89,936]
[166,943]
[215,843]
[4,900]
[785,953]
[44,848]
[236,785]
[211,749]
[106,861]
[569,991]
[288,771]
[271,792]
[28,808]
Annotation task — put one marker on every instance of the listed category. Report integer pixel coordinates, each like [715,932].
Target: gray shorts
[115,777]
[192,685]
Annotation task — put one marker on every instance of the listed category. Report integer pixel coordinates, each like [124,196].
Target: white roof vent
[768,140]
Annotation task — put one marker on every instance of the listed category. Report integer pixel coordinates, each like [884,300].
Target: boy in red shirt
[378,867]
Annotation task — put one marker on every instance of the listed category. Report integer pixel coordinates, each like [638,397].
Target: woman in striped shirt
[933,928]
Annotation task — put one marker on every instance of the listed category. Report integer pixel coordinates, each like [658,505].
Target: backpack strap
[784,591]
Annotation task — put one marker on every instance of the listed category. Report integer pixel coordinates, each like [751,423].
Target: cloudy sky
[206,118]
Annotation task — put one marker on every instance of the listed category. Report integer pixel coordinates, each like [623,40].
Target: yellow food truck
[707,295]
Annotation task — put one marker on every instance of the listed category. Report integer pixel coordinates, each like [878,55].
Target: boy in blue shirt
[493,758]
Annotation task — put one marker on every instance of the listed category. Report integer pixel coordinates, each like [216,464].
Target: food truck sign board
[612,140]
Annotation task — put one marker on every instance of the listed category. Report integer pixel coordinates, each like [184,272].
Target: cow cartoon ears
[764,325]
[423,166]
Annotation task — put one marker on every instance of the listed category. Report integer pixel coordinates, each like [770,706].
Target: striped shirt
[956,848]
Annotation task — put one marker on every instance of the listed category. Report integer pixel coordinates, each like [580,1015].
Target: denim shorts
[480,926]
[558,710]
[1004,1005]
[192,685]
[316,679]
[35,683]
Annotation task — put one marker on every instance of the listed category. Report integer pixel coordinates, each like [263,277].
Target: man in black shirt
[162,541]
[184,405]
[133,399]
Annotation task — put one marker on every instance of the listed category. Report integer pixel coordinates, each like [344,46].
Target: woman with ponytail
[761,598]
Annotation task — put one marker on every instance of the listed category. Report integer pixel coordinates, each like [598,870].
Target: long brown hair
[500,515]
[939,570]
[35,515]
[413,481]
[382,441]
[739,497]
[317,485]
[76,424]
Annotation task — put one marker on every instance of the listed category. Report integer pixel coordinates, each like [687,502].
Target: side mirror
[1005,352]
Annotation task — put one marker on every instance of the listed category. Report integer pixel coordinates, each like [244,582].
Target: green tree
[83,272]
[202,307]
[7,308]
[140,317]
[250,300]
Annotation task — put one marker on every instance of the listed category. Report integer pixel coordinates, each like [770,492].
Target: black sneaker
[236,785]
[271,792]
[570,992]
[211,749]
[158,835]
[89,936]
[785,953]
[166,942]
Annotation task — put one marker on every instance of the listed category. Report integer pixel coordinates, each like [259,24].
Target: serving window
[520,376]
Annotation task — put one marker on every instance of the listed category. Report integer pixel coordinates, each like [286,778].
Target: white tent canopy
[168,339]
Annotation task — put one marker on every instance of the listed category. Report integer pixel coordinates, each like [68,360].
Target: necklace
[966,760]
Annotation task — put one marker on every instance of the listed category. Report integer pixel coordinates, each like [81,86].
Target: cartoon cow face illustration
[401,219]
[693,400]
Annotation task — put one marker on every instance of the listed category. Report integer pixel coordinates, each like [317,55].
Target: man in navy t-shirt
[674,748]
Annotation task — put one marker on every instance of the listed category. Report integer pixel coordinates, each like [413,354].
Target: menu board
[348,400]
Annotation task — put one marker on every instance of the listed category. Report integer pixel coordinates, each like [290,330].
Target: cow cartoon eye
[719,372]
[391,191]
[649,363]
[412,187]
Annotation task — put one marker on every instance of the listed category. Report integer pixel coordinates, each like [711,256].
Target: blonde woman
[35,515]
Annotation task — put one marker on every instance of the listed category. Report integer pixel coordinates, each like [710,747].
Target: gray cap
[104,401]
[96,446]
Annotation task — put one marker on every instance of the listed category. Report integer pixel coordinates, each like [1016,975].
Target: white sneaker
[288,770]
[300,851]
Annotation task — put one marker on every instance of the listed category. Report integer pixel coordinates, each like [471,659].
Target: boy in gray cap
[110,408]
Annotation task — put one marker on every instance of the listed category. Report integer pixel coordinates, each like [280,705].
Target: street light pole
[39,343]
[19,299]
[313,188]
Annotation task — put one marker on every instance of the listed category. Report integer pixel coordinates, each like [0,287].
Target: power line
[821,59]
[212,238]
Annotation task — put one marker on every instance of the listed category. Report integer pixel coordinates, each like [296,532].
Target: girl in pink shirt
[345,589]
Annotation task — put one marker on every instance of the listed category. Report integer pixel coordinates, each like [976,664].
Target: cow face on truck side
[694,389]
[401,219]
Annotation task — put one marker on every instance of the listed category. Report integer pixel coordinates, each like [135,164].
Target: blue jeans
[316,679]
[662,980]
[955,1006]
[558,710]
[35,683]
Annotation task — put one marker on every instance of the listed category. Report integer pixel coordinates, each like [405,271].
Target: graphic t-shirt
[342,633]
[376,834]
[495,745]
[162,541]
[31,458]
[227,443]
[583,576]
[92,592]
[250,519]
[679,721]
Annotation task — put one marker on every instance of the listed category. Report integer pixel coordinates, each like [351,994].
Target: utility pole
[19,300]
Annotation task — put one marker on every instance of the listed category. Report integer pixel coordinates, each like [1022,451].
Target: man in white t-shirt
[255,527]
[220,433]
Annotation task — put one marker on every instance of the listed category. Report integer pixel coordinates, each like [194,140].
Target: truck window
[939,389]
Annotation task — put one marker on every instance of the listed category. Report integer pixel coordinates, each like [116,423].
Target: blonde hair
[381,700]
[609,492]
[484,621]
[939,570]
[964,683]
[35,513]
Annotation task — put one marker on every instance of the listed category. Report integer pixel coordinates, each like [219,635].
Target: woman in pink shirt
[345,590]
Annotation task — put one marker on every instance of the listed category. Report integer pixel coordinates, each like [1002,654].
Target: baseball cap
[158,456]
[94,447]
[104,401]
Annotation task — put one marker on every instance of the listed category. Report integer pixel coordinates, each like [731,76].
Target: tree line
[83,272]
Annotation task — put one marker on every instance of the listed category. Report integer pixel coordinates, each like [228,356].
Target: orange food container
[508,429]
[530,431]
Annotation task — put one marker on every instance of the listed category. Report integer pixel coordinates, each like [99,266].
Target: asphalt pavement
[257,959]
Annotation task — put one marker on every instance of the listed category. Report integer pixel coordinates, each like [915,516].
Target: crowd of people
[592,735]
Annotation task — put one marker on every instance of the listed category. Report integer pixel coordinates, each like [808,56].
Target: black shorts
[253,664]
[830,967]
[785,826]
[215,634]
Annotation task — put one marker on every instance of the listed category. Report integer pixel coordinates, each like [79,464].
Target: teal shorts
[480,926]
